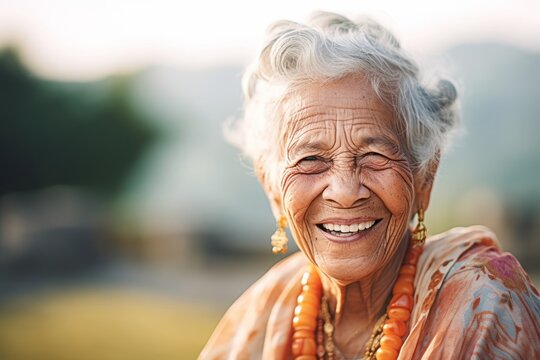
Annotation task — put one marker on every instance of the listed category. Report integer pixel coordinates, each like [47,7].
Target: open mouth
[347,230]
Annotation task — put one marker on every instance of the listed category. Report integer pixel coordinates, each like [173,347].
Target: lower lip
[349,239]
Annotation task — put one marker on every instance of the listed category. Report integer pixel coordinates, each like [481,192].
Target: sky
[82,39]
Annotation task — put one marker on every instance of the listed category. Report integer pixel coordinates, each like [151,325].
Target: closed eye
[312,164]
[374,159]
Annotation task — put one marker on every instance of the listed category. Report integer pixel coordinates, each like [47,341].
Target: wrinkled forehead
[350,101]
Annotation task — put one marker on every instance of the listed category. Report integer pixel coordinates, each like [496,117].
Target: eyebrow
[380,140]
[309,146]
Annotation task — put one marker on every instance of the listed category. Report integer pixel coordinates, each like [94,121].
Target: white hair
[328,47]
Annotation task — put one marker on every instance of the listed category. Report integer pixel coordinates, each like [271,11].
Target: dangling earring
[420,232]
[279,239]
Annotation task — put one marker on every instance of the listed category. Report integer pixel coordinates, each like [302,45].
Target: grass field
[103,324]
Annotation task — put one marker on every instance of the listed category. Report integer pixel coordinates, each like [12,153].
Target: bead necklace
[308,340]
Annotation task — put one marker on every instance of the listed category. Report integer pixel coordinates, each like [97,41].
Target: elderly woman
[346,140]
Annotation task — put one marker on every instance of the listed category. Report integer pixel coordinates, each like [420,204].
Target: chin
[346,270]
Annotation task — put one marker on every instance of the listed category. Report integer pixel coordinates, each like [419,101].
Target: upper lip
[341,221]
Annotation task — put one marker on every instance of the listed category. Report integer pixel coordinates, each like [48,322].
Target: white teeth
[349,228]
[368,224]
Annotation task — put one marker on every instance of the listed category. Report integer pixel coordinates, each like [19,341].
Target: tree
[78,134]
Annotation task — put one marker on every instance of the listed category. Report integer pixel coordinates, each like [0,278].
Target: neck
[357,306]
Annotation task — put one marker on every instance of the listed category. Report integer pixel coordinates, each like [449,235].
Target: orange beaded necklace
[308,342]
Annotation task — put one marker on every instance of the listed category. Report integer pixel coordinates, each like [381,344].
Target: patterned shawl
[471,301]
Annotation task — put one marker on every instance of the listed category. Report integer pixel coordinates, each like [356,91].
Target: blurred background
[128,225]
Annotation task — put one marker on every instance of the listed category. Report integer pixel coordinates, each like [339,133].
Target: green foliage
[86,134]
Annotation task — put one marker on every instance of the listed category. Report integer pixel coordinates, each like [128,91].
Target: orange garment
[471,302]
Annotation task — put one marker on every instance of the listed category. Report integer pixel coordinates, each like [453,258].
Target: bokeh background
[128,225]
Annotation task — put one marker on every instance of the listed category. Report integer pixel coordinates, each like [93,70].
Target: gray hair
[328,47]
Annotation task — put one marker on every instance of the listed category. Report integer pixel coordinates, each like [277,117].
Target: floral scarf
[471,301]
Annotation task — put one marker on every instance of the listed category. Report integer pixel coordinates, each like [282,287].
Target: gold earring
[420,232]
[279,239]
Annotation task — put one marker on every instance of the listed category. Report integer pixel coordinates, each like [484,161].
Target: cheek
[293,184]
[297,207]
[394,186]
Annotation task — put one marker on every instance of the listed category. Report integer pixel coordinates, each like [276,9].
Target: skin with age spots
[343,163]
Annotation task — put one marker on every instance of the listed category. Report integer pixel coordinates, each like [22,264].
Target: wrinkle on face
[349,132]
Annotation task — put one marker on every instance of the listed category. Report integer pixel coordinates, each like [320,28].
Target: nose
[346,189]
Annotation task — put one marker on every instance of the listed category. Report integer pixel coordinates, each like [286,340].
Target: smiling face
[347,187]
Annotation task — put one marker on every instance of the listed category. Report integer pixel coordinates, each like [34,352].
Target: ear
[424,183]
[273,195]
[275,205]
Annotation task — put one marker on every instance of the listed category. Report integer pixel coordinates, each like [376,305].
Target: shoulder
[478,298]
[272,284]
[282,271]
[458,240]
[441,253]
[267,304]
[474,254]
